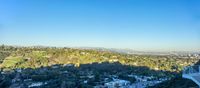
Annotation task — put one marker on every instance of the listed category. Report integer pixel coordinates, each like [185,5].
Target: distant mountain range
[125,51]
[130,51]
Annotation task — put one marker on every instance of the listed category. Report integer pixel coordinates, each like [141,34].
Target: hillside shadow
[178,82]
[70,76]
[198,63]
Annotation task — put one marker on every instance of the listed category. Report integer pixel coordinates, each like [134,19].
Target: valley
[36,67]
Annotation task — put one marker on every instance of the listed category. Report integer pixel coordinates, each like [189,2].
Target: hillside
[40,64]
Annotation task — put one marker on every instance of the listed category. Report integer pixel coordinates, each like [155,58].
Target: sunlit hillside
[41,64]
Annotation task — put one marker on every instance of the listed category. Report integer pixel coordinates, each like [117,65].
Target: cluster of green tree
[59,76]
[34,57]
[69,76]
[38,64]
[5,80]
[177,82]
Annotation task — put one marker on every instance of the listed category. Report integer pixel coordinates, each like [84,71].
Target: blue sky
[155,25]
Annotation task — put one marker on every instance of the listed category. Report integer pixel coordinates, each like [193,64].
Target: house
[117,83]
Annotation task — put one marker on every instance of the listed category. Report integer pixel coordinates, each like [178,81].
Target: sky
[145,25]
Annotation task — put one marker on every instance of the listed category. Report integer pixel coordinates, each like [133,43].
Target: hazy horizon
[143,25]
